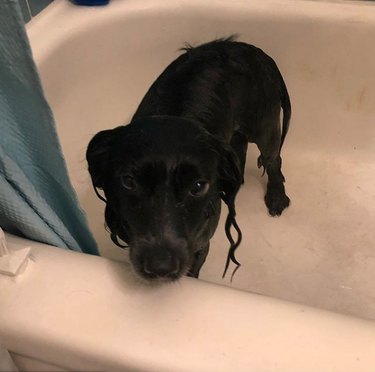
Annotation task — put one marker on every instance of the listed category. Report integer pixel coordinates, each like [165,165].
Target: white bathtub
[79,312]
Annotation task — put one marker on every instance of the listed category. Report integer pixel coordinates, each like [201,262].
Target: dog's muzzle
[161,261]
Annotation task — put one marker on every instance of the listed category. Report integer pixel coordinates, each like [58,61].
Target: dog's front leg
[199,259]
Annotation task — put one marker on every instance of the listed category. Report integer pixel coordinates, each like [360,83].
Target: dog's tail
[287,109]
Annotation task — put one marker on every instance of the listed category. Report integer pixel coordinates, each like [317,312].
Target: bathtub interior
[320,252]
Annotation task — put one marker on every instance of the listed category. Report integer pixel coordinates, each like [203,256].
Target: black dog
[164,175]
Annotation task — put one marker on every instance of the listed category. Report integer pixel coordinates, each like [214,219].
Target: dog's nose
[168,266]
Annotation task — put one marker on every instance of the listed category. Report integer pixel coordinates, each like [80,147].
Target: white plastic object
[12,261]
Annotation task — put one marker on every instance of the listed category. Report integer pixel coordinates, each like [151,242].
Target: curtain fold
[37,200]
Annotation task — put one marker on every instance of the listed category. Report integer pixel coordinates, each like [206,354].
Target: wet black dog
[164,175]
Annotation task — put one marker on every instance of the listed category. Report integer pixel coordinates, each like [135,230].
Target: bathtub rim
[279,335]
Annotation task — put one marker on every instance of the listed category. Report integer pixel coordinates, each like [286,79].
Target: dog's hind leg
[276,200]
[269,145]
[199,259]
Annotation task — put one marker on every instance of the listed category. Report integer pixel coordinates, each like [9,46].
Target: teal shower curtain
[37,200]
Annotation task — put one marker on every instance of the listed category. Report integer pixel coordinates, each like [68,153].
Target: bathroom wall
[31,8]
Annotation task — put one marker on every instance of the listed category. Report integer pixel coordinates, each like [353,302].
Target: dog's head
[163,178]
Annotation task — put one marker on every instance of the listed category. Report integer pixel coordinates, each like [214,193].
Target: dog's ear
[230,180]
[99,152]
[229,171]
[97,156]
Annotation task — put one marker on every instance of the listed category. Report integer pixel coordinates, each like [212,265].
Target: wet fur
[195,122]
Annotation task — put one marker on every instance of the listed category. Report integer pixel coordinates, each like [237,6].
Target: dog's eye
[200,188]
[128,182]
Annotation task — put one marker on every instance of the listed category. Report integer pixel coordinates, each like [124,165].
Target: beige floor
[321,251]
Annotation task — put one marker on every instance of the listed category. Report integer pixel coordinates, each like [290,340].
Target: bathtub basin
[96,64]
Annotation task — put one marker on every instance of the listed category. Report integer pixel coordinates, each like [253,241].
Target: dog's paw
[276,201]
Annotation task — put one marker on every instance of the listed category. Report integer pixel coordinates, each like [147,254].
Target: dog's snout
[166,259]
[162,267]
